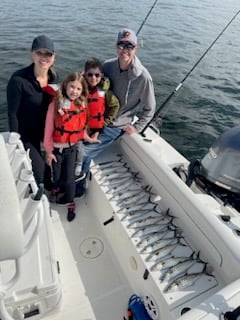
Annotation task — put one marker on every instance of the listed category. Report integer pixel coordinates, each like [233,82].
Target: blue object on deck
[138,309]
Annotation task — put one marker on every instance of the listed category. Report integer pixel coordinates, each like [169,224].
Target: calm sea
[173,38]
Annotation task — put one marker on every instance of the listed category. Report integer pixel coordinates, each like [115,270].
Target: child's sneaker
[71,212]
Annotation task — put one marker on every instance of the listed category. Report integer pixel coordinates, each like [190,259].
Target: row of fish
[157,238]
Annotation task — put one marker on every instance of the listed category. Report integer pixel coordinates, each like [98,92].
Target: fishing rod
[157,113]
[149,12]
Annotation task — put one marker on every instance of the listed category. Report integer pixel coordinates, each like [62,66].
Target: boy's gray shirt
[135,91]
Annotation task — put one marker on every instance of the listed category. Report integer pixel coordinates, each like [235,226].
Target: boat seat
[11,235]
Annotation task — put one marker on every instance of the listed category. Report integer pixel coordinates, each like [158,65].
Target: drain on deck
[91,248]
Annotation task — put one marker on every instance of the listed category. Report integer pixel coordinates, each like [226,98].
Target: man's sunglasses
[127,46]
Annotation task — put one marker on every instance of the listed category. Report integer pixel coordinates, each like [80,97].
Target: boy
[103,105]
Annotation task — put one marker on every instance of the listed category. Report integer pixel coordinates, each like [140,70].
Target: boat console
[30,284]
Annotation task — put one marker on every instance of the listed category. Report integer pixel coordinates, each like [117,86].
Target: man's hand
[93,138]
[130,129]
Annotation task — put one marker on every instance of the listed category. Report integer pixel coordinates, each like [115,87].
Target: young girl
[65,126]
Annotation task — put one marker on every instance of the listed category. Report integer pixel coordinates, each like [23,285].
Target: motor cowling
[221,165]
[218,172]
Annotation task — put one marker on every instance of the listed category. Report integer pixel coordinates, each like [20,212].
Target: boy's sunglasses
[91,74]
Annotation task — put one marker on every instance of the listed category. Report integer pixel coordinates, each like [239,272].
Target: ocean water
[171,41]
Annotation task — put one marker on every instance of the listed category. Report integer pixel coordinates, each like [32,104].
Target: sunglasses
[44,54]
[91,74]
[127,46]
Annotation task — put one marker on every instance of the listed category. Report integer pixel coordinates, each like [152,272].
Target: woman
[28,97]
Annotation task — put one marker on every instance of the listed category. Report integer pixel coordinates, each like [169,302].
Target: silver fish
[150,233]
[145,226]
[140,206]
[145,206]
[129,215]
[173,261]
[152,198]
[146,220]
[184,282]
[147,214]
[115,182]
[140,198]
[160,252]
[128,212]
[137,199]
[148,230]
[161,243]
[111,170]
[179,269]
[109,163]
[155,219]
[101,170]
[131,210]
[133,186]
[128,185]
[149,239]
[164,253]
[114,176]
[127,194]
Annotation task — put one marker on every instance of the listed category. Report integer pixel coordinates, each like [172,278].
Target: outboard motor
[218,173]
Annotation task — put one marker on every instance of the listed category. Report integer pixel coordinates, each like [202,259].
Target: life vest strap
[62,130]
[99,116]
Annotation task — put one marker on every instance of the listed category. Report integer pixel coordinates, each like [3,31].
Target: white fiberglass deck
[93,285]
[99,257]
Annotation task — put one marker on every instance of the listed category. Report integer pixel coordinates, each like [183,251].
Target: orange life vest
[70,122]
[96,108]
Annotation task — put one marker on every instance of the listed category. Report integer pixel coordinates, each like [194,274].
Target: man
[132,85]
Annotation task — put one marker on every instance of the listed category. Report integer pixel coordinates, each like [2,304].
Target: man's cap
[127,35]
[43,42]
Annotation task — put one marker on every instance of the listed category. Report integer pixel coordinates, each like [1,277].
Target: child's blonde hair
[61,93]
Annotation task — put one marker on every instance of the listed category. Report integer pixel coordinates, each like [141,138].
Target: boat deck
[91,278]
[99,285]
[125,239]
